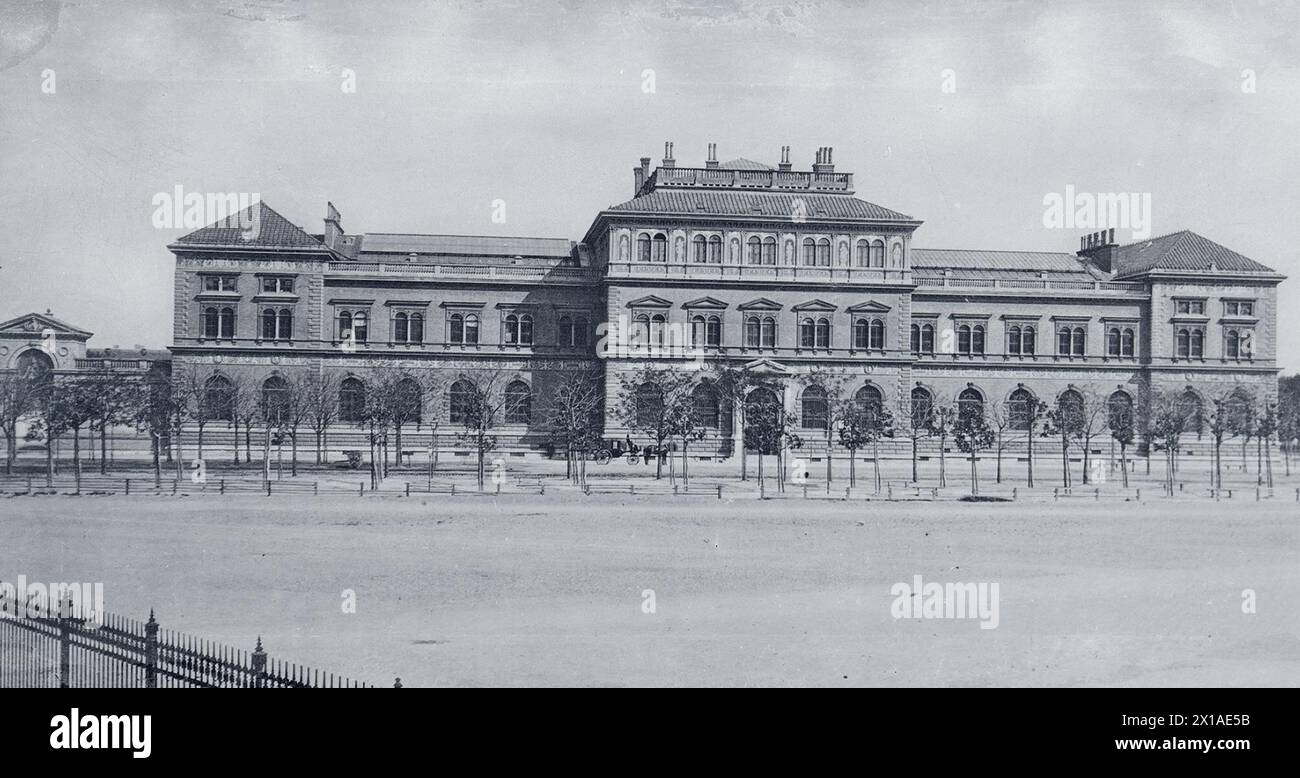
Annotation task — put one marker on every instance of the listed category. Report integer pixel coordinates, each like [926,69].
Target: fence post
[223,486]
[1055,493]
[719,491]
[805,491]
[128,486]
[29,486]
[362,493]
[268,487]
[674,490]
[315,487]
[1139,495]
[65,642]
[1015,492]
[1256,494]
[259,664]
[541,486]
[151,652]
[890,492]
[1096,495]
[453,489]
[175,483]
[408,488]
[846,492]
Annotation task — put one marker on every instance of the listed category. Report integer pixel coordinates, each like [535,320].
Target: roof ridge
[1180,233]
[463,235]
[997,251]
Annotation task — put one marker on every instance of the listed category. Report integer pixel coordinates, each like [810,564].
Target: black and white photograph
[649,343]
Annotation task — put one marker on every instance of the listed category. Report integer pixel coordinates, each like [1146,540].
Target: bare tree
[648,400]
[478,409]
[733,385]
[834,406]
[571,413]
[318,395]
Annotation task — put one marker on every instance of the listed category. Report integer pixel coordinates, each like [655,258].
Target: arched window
[699,250]
[823,333]
[751,332]
[927,338]
[715,250]
[807,332]
[814,414]
[416,334]
[566,331]
[809,252]
[408,401]
[580,330]
[352,400]
[1077,340]
[401,329]
[878,253]
[1063,342]
[525,329]
[456,328]
[861,334]
[970,402]
[460,402]
[916,339]
[1198,343]
[769,332]
[641,330]
[660,252]
[877,334]
[1112,342]
[519,403]
[1020,409]
[226,317]
[824,252]
[268,324]
[211,323]
[1028,340]
[1070,409]
[706,406]
[360,327]
[649,406]
[1232,345]
[862,254]
[754,251]
[1119,411]
[868,401]
[471,329]
[1190,405]
[512,329]
[1183,343]
[713,332]
[977,339]
[1013,340]
[657,326]
[1127,342]
[963,339]
[643,247]
[275,400]
[769,251]
[922,407]
[219,398]
[697,330]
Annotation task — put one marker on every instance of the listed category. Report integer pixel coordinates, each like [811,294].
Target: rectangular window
[220,283]
[1239,308]
[1191,307]
[277,284]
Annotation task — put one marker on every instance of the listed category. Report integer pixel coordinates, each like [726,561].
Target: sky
[965,115]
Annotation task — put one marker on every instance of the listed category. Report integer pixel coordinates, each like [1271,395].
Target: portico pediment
[870,306]
[765,366]
[33,324]
[650,301]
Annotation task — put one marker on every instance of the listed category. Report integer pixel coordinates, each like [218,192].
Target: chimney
[823,163]
[785,159]
[333,225]
[1100,249]
[668,155]
[639,176]
[712,160]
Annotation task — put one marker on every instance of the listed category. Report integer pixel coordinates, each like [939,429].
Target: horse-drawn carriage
[609,450]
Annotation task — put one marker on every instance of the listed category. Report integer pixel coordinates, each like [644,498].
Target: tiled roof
[465,245]
[778,204]
[273,231]
[1044,261]
[1184,250]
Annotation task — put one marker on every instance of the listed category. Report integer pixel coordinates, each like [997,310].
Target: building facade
[778,271]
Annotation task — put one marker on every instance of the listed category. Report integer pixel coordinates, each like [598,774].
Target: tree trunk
[293,447]
[914,441]
[1030,442]
[76,456]
[157,459]
[1123,463]
[103,447]
[234,423]
[853,468]
[998,457]
[974,476]
[875,464]
[266,456]
[943,461]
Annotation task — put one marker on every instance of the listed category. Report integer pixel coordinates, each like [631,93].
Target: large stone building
[778,270]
